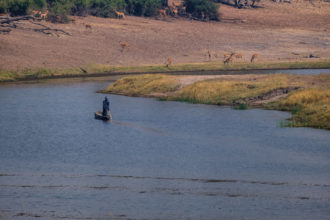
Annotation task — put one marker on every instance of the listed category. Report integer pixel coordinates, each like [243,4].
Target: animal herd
[229,58]
[40,14]
[173,9]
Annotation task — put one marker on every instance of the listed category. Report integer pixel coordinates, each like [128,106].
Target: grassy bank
[306,97]
[102,70]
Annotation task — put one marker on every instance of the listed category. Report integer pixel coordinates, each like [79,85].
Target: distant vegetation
[60,9]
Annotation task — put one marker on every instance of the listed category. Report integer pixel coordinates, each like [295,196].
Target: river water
[156,160]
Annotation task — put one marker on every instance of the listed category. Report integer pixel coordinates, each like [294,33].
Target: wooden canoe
[98,115]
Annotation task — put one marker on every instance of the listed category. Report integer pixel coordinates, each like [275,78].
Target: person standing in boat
[106,106]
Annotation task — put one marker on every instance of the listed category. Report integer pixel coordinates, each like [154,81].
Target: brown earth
[275,31]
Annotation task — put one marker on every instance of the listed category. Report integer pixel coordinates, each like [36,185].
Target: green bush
[79,7]
[38,4]
[203,9]
[143,7]
[59,10]
[3,7]
[106,8]
[18,7]
[151,7]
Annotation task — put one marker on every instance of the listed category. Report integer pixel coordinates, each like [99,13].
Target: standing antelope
[254,57]
[162,12]
[120,14]
[208,53]
[168,62]
[238,56]
[44,15]
[123,45]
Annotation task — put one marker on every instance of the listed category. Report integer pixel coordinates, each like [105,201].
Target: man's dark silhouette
[106,106]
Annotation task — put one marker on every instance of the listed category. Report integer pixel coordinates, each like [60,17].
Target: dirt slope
[276,32]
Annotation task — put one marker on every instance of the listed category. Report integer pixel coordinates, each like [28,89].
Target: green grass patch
[144,85]
[99,69]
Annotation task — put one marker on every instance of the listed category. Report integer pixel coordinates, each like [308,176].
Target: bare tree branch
[13,23]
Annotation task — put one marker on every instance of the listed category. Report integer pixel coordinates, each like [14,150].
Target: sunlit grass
[310,105]
[100,69]
[144,85]
[224,92]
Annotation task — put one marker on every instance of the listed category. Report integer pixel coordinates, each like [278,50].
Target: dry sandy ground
[276,32]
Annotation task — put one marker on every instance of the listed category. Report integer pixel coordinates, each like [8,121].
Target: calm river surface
[156,160]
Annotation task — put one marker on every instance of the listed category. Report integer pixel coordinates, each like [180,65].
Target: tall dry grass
[144,85]
[309,107]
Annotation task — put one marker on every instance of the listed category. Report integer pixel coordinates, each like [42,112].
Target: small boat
[98,115]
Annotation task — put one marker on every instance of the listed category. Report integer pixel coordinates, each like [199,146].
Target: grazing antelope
[227,55]
[228,60]
[254,57]
[238,56]
[123,45]
[120,14]
[44,15]
[168,62]
[162,12]
[88,26]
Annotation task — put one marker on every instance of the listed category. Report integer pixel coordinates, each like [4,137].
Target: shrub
[3,7]
[151,7]
[106,8]
[59,10]
[18,7]
[39,4]
[203,9]
[79,7]
[143,7]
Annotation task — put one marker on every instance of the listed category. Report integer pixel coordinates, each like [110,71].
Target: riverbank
[94,70]
[306,97]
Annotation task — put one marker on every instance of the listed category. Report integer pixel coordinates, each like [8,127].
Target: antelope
[169,62]
[202,15]
[44,15]
[227,55]
[228,60]
[36,13]
[162,12]
[123,45]
[88,26]
[175,12]
[208,52]
[254,57]
[120,14]
[238,56]
[176,4]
